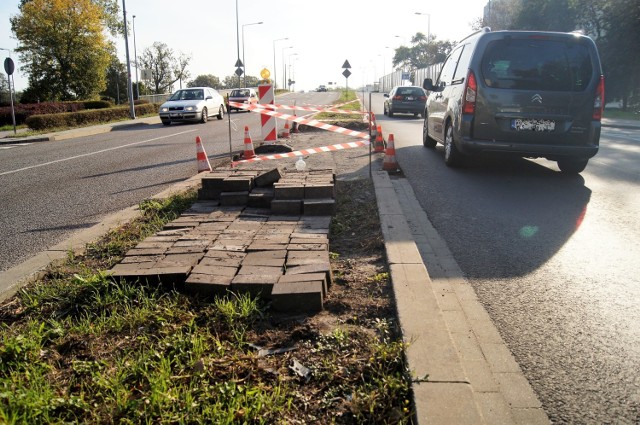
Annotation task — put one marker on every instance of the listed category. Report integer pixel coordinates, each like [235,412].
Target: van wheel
[427,141]
[220,113]
[572,166]
[452,156]
[205,116]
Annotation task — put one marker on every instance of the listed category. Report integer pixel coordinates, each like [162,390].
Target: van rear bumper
[527,150]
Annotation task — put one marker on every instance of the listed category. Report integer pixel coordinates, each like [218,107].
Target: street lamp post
[284,83]
[135,57]
[428,25]
[243,62]
[288,86]
[275,80]
[132,109]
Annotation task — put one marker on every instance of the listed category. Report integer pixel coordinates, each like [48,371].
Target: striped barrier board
[303,108]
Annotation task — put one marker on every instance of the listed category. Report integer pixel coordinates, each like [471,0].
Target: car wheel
[427,141]
[205,116]
[220,113]
[452,156]
[572,165]
[384,110]
[390,112]
[166,122]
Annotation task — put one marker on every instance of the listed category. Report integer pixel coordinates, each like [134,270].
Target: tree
[4,90]
[621,22]
[546,15]
[116,81]
[422,53]
[165,68]
[499,15]
[63,47]
[207,80]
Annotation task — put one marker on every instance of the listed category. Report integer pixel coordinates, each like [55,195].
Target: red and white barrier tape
[300,120]
[301,108]
[310,151]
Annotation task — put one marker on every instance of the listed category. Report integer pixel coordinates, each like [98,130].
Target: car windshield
[195,94]
[240,93]
[537,64]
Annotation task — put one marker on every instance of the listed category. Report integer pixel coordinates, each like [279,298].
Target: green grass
[626,115]
[347,101]
[80,347]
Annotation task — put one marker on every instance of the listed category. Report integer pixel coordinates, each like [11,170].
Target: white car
[192,104]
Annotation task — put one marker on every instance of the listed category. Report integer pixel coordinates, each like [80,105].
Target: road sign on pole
[9,66]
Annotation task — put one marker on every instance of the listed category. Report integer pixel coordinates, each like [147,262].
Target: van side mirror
[428,84]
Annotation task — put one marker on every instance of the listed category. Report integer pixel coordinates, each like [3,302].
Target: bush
[86,117]
[23,111]
[97,104]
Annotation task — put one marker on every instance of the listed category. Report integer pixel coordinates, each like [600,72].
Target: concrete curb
[80,132]
[471,376]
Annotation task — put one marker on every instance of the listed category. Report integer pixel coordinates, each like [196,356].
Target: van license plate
[533,125]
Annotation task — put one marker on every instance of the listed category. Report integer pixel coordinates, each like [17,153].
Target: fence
[387,82]
[155,98]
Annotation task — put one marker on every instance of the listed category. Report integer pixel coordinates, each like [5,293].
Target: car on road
[532,94]
[192,104]
[321,88]
[405,99]
[245,95]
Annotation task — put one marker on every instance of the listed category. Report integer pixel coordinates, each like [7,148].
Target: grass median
[79,347]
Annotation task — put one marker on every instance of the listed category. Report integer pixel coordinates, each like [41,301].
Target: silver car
[192,104]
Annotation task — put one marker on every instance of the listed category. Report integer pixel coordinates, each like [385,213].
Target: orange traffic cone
[201,156]
[378,144]
[389,162]
[249,152]
[285,133]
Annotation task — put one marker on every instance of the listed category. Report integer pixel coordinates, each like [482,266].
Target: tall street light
[288,86]
[243,62]
[135,57]
[132,109]
[428,25]
[284,83]
[275,80]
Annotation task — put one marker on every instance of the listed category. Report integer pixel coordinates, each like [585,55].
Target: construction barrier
[378,144]
[249,152]
[389,162]
[201,157]
[266,96]
[310,151]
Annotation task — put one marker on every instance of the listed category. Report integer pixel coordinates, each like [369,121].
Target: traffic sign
[9,66]
[346,73]
[239,71]
[346,64]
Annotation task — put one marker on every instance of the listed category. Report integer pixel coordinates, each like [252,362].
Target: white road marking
[92,153]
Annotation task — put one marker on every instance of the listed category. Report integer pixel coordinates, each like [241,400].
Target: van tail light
[598,102]
[470,93]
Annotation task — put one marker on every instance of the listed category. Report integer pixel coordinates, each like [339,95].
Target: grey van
[531,94]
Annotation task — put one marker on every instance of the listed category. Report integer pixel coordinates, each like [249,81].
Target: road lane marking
[93,153]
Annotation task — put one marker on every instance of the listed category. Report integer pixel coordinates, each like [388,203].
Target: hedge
[86,117]
[24,111]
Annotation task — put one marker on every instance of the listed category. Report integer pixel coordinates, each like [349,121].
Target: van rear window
[537,64]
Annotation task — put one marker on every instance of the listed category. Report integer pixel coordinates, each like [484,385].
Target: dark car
[530,94]
[406,100]
[247,96]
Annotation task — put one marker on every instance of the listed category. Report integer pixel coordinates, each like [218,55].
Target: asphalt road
[49,190]
[554,260]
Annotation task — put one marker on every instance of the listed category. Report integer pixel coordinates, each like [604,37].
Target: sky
[321,35]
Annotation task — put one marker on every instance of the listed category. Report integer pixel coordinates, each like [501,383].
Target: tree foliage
[4,90]
[165,68]
[422,52]
[206,80]
[116,88]
[63,47]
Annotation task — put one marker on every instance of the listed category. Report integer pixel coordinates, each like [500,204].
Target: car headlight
[190,108]
[164,109]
